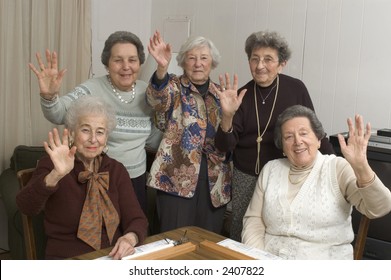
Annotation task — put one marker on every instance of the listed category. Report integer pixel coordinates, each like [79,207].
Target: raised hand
[355,150]
[61,155]
[229,99]
[161,52]
[49,78]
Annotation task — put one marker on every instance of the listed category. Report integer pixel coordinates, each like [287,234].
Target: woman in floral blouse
[193,178]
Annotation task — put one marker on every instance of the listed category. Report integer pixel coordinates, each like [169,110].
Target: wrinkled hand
[228,94]
[160,51]
[60,154]
[49,78]
[355,151]
[124,246]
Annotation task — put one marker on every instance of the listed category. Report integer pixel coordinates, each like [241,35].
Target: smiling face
[264,66]
[198,64]
[90,137]
[124,66]
[299,142]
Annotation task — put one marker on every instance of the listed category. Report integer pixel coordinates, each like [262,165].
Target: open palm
[49,78]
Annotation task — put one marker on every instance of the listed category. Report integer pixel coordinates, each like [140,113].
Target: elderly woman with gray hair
[87,197]
[301,207]
[122,56]
[247,122]
[192,177]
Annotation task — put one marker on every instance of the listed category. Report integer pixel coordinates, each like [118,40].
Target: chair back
[24,176]
[361,237]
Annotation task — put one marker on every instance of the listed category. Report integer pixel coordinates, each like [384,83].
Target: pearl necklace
[116,93]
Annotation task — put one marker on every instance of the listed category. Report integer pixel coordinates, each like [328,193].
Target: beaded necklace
[119,96]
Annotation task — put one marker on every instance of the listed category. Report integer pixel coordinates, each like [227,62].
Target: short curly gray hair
[197,42]
[89,105]
[296,111]
[268,39]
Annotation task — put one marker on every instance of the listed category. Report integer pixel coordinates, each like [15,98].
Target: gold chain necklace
[260,135]
[119,95]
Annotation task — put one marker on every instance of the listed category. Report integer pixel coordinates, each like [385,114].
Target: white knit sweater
[317,223]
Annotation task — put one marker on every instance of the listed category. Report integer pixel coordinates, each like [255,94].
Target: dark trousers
[140,188]
[175,211]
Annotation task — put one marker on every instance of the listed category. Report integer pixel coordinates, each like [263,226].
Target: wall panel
[340,48]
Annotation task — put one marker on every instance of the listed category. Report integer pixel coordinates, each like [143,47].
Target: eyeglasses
[265,60]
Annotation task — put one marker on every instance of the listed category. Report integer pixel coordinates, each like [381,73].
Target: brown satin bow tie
[97,208]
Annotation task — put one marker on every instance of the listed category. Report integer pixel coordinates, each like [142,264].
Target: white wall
[340,47]
[116,15]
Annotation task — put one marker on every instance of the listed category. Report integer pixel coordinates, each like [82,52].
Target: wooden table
[202,245]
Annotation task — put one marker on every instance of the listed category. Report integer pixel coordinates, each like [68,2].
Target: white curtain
[27,27]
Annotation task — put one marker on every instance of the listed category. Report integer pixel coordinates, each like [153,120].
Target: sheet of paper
[145,249]
[247,250]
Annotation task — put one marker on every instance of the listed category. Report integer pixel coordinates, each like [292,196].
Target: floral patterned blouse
[189,122]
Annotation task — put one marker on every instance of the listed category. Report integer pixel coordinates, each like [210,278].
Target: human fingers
[368,131]
[114,250]
[50,140]
[65,137]
[47,147]
[236,81]
[350,127]
[126,252]
[168,47]
[40,62]
[150,46]
[48,58]
[121,249]
[72,151]
[56,137]
[341,141]
[153,43]
[222,83]
[61,74]
[227,81]
[241,95]
[216,89]
[156,38]
[54,61]
[359,124]
[32,67]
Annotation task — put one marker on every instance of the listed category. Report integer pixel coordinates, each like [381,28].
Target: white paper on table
[145,249]
[247,250]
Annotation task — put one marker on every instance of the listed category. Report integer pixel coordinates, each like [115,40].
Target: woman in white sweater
[301,207]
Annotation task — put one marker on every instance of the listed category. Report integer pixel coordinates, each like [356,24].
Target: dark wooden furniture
[24,176]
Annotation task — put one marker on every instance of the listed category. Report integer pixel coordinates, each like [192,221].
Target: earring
[105,150]
[70,142]
[284,154]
